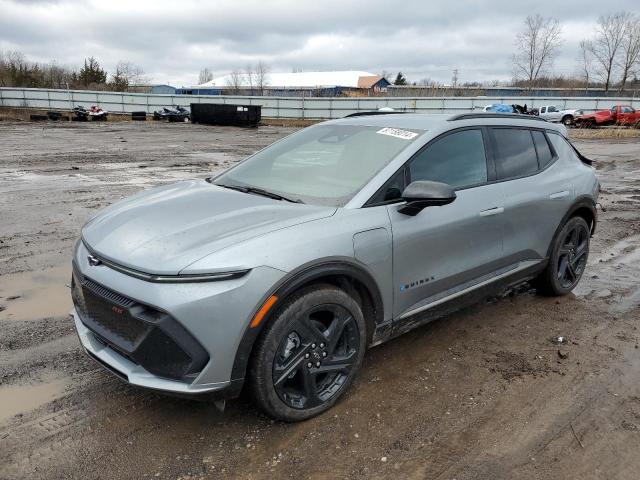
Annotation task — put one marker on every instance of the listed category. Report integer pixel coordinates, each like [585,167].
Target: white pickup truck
[553,113]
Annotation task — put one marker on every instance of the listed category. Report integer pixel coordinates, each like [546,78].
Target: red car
[616,115]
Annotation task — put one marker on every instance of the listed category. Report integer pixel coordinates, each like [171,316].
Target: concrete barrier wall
[285,107]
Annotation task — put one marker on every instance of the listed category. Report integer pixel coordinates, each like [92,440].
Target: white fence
[285,107]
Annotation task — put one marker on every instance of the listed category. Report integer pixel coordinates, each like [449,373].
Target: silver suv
[280,272]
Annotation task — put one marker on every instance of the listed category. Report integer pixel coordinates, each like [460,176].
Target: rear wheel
[309,354]
[568,258]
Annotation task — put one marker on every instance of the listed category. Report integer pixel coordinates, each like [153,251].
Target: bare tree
[119,81]
[586,59]
[607,44]
[630,49]
[454,78]
[427,82]
[536,47]
[204,76]
[250,78]
[234,82]
[261,76]
[388,76]
[133,74]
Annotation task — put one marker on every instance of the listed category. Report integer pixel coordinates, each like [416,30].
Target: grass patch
[596,133]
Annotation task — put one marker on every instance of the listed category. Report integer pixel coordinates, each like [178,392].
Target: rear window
[542,147]
[562,147]
[515,153]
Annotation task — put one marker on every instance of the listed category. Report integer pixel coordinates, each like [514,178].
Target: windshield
[322,165]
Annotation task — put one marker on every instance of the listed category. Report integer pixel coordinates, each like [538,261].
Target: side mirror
[422,194]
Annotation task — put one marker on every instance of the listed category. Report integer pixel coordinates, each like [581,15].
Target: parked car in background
[280,272]
[174,114]
[623,115]
[553,113]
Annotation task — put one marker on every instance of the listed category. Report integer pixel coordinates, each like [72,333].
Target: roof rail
[373,112]
[471,116]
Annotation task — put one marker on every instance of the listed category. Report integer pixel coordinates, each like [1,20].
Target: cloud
[172,41]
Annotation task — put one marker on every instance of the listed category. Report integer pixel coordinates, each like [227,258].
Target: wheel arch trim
[581,202]
[303,275]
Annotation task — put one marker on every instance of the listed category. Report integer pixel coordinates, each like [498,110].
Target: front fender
[305,274]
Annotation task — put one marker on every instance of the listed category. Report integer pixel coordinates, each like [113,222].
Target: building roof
[368,82]
[351,78]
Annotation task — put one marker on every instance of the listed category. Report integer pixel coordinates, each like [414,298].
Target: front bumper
[132,372]
[216,314]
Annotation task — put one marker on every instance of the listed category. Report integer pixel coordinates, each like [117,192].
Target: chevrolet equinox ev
[278,274]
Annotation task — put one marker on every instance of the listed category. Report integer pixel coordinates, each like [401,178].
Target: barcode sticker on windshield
[396,132]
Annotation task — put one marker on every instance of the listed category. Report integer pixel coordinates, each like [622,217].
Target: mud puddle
[37,294]
[16,399]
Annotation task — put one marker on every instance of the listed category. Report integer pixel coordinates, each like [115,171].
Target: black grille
[107,294]
[113,318]
[146,336]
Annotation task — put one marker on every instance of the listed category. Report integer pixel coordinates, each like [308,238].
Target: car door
[537,191]
[554,114]
[444,247]
[543,112]
[627,115]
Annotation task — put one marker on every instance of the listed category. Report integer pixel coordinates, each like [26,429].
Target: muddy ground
[480,394]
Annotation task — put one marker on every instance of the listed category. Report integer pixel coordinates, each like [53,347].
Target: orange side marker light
[266,306]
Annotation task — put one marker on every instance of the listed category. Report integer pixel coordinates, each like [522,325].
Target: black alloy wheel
[308,353]
[315,358]
[572,256]
[567,259]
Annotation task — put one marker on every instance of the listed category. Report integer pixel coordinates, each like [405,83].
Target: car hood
[165,229]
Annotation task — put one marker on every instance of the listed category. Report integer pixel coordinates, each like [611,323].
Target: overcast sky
[173,40]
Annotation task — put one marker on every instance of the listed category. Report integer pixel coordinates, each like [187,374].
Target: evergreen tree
[92,73]
[400,79]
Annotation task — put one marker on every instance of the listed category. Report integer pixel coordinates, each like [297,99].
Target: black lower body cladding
[226,114]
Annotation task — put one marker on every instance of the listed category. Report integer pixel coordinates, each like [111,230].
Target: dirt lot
[480,394]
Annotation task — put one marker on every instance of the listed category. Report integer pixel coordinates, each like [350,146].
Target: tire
[309,354]
[567,120]
[568,259]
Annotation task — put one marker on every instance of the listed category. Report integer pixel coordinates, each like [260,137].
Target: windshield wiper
[260,191]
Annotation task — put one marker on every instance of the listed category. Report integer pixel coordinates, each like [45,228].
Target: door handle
[557,195]
[492,211]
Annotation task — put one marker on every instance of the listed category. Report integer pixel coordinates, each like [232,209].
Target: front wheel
[568,258]
[309,354]
[567,120]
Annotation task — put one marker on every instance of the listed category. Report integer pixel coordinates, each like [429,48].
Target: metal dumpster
[226,114]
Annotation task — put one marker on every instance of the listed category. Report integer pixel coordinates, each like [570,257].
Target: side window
[543,110]
[552,109]
[562,147]
[515,153]
[457,159]
[542,147]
